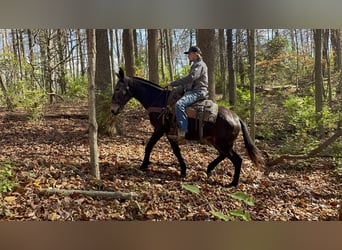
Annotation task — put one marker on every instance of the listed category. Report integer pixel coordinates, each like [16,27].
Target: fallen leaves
[54,154]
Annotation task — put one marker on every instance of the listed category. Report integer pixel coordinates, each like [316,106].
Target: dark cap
[193,49]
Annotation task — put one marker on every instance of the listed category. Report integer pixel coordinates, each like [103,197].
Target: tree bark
[101,194]
[106,121]
[169,53]
[94,155]
[251,57]
[153,55]
[222,57]
[128,49]
[206,42]
[231,76]
[318,80]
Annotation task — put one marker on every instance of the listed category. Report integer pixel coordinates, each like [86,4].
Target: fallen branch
[311,154]
[91,193]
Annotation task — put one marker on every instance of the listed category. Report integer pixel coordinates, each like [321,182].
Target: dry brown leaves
[54,154]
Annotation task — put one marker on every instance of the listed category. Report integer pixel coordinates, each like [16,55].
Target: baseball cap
[193,49]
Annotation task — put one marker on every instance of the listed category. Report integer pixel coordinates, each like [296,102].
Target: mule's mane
[148,82]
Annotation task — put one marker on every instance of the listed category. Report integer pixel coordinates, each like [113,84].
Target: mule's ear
[121,74]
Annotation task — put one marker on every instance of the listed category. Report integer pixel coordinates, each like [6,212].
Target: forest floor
[54,153]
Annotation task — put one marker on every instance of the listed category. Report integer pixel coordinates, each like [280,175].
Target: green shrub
[77,88]
[31,100]
[301,119]
[6,179]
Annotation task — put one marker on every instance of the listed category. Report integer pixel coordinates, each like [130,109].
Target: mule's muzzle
[115,108]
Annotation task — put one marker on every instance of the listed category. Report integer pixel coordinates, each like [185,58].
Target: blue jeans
[187,100]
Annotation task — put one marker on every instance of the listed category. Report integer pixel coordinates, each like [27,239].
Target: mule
[222,134]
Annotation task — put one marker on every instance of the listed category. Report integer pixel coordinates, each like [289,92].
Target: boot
[179,137]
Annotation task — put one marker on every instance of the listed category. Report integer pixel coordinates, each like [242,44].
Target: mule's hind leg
[176,151]
[237,161]
[214,163]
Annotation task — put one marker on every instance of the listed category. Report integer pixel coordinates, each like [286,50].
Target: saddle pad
[206,110]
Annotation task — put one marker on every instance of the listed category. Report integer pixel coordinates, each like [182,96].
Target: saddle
[203,110]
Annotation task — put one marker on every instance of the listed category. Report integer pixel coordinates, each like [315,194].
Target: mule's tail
[253,152]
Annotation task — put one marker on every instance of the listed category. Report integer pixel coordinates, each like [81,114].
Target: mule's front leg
[153,140]
[176,151]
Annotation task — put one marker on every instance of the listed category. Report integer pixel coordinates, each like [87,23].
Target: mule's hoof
[143,168]
[232,184]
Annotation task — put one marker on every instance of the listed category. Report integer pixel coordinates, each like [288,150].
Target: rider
[195,85]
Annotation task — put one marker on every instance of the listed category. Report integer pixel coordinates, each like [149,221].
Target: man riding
[195,86]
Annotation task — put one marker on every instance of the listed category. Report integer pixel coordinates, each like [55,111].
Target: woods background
[299,68]
[285,83]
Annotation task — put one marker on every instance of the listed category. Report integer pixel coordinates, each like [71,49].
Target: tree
[231,77]
[252,61]
[153,55]
[222,58]
[128,49]
[94,157]
[206,42]
[169,54]
[106,122]
[318,80]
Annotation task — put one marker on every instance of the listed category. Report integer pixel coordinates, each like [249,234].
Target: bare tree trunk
[49,65]
[105,120]
[80,51]
[326,56]
[61,57]
[117,42]
[94,155]
[318,80]
[111,55]
[153,55]
[3,88]
[162,52]
[231,79]
[128,49]
[222,56]
[252,58]
[206,42]
[240,67]
[92,193]
[169,53]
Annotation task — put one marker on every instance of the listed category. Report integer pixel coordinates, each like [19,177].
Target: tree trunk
[92,193]
[117,38]
[240,67]
[168,53]
[318,80]
[128,49]
[3,88]
[61,69]
[49,65]
[231,77]
[252,61]
[111,55]
[94,155]
[222,56]
[106,121]
[206,42]
[153,55]
[162,57]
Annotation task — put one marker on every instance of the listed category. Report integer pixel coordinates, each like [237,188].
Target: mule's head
[122,93]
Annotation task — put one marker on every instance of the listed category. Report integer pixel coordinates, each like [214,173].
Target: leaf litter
[54,153]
